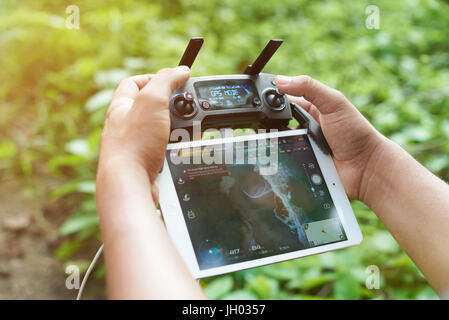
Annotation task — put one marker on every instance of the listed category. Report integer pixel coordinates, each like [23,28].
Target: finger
[131,86]
[158,90]
[126,92]
[155,193]
[306,105]
[326,99]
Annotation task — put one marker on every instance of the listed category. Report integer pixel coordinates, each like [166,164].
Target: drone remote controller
[230,100]
[237,101]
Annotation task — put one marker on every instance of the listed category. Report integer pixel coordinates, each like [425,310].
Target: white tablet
[242,202]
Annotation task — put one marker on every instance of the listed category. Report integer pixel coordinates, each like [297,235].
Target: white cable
[91,267]
[88,272]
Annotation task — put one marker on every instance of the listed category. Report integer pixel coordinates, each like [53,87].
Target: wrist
[121,174]
[124,198]
[377,177]
[119,164]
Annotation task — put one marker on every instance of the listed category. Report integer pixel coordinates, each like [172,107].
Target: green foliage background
[55,84]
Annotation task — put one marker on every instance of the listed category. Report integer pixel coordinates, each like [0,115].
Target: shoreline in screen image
[234,214]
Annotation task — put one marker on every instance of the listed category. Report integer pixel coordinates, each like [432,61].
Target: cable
[92,265]
[88,272]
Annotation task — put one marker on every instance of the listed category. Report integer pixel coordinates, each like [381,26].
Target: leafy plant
[56,83]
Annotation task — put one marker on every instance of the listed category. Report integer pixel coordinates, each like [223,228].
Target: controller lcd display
[228,94]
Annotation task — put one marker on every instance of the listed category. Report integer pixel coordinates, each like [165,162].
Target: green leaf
[243,132]
[69,160]
[264,287]
[438,163]
[72,187]
[239,295]
[68,188]
[7,149]
[384,242]
[86,187]
[99,100]
[79,222]
[211,134]
[346,287]
[78,147]
[318,280]
[101,271]
[111,78]
[67,248]
[82,264]
[293,123]
[219,287]
[284,271]
[26,162]
[427,294]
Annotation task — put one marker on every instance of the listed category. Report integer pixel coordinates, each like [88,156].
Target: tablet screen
[237,210]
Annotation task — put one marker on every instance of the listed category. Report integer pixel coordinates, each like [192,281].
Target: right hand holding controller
[355,143]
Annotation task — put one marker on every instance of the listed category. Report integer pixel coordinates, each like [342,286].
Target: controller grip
[314,129]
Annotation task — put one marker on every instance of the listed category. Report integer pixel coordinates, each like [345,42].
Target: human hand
[133,146]
[355,143]
[137,125]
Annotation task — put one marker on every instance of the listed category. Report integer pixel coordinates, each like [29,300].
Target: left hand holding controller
[137,125]
[141,259]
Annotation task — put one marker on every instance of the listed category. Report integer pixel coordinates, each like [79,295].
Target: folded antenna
[191,52]
[264,57]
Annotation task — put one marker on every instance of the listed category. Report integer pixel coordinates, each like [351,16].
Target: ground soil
[29,236]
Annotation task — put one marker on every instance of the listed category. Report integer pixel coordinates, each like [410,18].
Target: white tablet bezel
[177,228]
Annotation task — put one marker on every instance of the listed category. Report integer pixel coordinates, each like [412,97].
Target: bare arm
[414,205]
[141,260]
[411,201]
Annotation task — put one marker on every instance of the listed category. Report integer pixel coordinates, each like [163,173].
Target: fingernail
[183,69]
[283,80]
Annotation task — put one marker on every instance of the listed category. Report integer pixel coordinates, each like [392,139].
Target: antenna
[264,57]
[191,52]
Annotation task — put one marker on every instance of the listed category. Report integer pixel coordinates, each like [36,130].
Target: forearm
[414,205]
[141,261]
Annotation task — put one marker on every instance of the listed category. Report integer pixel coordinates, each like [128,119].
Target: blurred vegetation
[56,83]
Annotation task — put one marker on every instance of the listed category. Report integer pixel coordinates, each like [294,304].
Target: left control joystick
[184,104]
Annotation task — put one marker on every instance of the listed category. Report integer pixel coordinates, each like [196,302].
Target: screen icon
[210,251]
[316,179]
[191,215]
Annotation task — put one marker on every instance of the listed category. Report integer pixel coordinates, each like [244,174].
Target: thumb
[159,89]
[326,99]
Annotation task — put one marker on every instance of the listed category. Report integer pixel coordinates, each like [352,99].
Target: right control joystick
[184,104]
[275,99]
